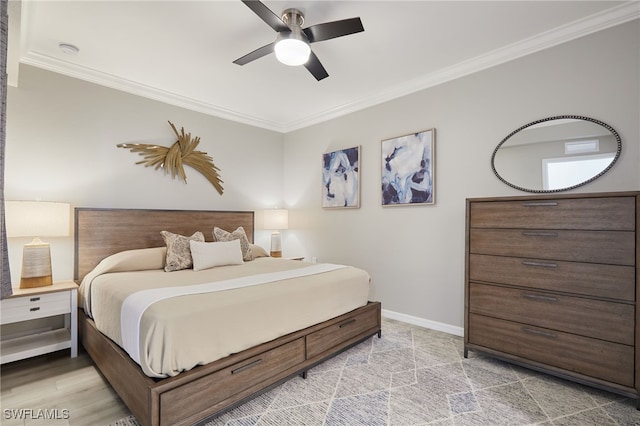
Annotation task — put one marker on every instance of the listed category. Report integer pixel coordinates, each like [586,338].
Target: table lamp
[276,220]
[36,219]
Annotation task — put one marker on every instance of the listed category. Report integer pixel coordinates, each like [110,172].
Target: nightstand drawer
[40,302]
[36,306]
[35,299]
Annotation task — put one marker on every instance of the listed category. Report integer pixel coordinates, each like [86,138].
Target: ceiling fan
[291,46]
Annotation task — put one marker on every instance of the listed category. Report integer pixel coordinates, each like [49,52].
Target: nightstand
[40,302]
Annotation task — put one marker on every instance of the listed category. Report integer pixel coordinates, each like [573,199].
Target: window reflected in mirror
[556,154]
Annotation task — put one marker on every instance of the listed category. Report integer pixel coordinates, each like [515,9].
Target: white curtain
[5,274]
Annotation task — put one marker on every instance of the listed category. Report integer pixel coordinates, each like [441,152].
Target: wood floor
[56,390]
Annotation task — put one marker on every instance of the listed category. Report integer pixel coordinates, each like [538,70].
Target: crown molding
[50,63]
[625,12]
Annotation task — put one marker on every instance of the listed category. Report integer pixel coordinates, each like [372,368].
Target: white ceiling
[181,52]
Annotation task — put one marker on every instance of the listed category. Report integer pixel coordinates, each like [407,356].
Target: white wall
[415,254]
[61,146]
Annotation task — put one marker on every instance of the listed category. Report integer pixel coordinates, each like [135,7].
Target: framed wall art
[341,178]
[408,169]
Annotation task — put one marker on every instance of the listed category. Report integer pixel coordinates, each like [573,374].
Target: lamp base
[36,282]
[36,265]
[276,244]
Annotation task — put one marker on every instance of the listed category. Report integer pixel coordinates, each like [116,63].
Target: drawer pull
[35,309]
[541,204]
[34,299]
[246,367]
[539,332]
[541,264]
[347,322]
[539,234]
[539,297]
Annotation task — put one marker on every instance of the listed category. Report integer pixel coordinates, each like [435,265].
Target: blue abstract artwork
[407,169]
[341,178]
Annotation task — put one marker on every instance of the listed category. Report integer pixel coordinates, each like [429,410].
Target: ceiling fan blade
[256,54]
[334,29]
[315,67]
[267,15]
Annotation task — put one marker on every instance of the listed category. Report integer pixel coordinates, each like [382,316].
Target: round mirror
[556,154]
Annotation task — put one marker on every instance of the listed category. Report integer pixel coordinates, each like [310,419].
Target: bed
[211,387]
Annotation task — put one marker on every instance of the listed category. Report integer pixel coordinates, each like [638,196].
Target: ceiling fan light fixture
[292,51]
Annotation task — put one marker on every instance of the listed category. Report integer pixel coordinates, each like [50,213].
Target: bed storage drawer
[588,279]
[351,326]
[608,213]
[586,317]
[574,353]
[200,395]
[610,247]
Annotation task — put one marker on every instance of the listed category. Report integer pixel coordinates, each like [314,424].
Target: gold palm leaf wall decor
[182,152]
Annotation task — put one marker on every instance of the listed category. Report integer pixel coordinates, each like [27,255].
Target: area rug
[417,376]
[127,421]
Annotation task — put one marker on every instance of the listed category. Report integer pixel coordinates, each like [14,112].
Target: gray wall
[61,137]
[415,254]
[61,146]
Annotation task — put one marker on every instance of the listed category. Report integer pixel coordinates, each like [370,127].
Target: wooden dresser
[551,284]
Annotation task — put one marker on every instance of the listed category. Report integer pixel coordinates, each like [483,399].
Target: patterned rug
[127,421]
[417,376]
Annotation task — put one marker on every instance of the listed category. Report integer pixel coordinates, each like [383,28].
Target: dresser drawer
[612,247]
[608,361]
[328,337]
[589,279]
[586,317]
[37,306]
[610,213]
[201,395]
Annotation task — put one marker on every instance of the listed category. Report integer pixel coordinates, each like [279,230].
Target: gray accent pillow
[239,234]
[178,250]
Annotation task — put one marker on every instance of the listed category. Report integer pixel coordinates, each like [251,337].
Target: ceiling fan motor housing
[293,17]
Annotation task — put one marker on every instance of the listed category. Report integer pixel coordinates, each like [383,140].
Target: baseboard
[434,325]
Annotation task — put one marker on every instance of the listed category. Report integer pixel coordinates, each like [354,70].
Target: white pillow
[209,255]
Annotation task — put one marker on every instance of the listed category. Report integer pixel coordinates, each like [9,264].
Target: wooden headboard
[102,232]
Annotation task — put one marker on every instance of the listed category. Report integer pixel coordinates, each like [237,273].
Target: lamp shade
[276,219]
[37,219]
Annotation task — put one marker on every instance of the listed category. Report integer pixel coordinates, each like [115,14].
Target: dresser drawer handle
[246,367]
[539,297]
[35,309]
[540,333]
[347,322]
[541,264]
[539,234]
[34,299]
[541,204]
